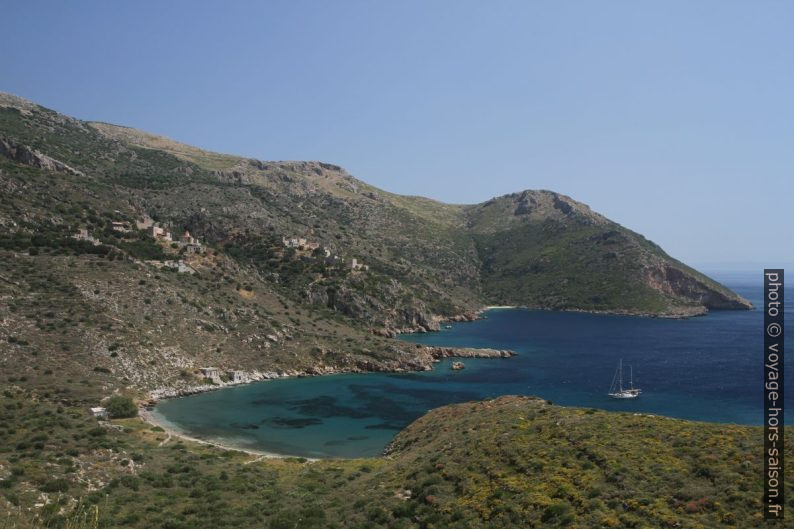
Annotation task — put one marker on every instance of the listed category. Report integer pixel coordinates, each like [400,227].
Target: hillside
[271,287]
[543,249]
[102,291]
[509,462]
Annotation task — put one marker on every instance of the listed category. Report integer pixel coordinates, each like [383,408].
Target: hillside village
[188,245]
[331,259]
[184,244]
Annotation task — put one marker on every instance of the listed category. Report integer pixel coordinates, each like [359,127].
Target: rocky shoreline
[423,360]
[426,357]
[434,322]
[427,324]
[682,314]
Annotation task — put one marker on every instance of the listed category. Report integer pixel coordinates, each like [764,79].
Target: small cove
[706,368]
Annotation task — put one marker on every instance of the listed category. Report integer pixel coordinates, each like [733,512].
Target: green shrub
[55,485]
[120,407]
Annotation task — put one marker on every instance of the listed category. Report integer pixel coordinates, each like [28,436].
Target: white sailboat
[616,390]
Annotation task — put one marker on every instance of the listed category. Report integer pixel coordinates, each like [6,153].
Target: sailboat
[616,390]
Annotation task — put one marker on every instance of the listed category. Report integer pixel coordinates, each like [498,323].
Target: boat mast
[631,376]
[620,374]
[614,383]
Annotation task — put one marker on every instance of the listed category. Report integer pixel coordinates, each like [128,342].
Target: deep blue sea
[706,368]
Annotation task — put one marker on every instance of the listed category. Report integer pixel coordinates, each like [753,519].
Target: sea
[706,368]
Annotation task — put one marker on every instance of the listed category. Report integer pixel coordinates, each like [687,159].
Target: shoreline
[432,355]
[436,354]
[681,315]
[146,415]
[435,322]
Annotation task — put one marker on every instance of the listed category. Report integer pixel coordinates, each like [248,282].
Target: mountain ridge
[372,263]
[95,302]
[529,206]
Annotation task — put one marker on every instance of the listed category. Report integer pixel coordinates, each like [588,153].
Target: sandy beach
[150,418]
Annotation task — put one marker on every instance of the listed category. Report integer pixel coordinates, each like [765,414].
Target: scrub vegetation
[509,462]
[95,310]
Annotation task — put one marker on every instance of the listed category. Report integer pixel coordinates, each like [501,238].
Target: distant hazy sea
[706,368]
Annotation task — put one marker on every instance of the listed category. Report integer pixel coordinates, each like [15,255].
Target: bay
[706,368]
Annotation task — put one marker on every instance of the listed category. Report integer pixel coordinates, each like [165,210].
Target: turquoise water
[707,368]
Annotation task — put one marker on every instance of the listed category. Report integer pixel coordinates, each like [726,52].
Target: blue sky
[673,118]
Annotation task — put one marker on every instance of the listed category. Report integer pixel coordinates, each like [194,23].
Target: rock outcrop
[676,283]
[24,154]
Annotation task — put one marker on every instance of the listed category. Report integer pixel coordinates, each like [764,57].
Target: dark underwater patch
[291,422]
[326,406]
[385,426]
[244,426]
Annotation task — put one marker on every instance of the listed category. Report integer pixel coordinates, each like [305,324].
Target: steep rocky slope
[256,304]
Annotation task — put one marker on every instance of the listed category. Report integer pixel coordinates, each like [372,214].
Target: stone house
[99,412]
[187,238]
[212,373]
[83,235]
[295,242]
[237,377]
[191,249]
[161,233]
[183,268]
[119,226]
[144,223]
